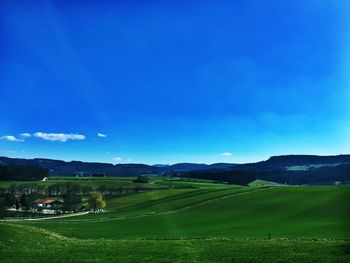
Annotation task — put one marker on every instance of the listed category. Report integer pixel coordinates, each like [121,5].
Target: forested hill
[58,167]
[286,169]
[22,172]
[290,160]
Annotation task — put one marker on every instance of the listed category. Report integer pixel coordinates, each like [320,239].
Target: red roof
[44,201]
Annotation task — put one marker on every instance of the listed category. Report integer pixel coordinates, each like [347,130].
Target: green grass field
[20,243]
[189,184]
[214,224]
[244,212]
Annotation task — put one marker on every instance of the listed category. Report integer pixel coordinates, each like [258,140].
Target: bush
[71,202]
[2,208]
[96,200]
[142,179]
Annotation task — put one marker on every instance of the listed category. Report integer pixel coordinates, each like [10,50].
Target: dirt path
[43,218]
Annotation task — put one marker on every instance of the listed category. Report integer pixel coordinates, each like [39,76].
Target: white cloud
[11,138]
[62,137]
[25,135]
[226,154]
[117,159]
[101,135]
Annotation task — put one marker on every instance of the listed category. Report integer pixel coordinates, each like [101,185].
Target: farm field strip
[190,196]
[190,184]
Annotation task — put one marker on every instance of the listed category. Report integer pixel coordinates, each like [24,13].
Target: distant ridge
[285,169]
[308,159]
[59,167]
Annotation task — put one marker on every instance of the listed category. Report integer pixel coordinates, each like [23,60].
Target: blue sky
[174,81]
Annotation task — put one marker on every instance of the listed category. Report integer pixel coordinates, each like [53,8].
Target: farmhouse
[47,203]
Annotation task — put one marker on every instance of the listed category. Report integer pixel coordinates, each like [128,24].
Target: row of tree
[66,188]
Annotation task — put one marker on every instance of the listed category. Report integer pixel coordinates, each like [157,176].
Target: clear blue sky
[174,81]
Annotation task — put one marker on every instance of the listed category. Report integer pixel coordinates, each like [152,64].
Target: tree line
[60,189]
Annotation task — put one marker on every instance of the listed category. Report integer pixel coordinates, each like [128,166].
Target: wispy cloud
[61,137]
[117,159]
[13,151]
[11,138]
[101,135]
[226,154]
[25,135]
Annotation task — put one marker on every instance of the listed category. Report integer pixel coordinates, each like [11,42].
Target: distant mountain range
[289,169]
[186,167]
[58,167]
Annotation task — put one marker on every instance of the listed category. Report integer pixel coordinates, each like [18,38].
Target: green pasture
[163,201]
[20,243]
[244,212]
[306,224]
[189,184]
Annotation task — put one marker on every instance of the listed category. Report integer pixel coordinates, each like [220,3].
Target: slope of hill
[307,224]
[243,212]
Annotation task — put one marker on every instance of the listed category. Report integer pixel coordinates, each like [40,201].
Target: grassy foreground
[30,244]
[307,224]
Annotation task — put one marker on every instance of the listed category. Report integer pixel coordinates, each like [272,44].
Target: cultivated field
[202,224]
